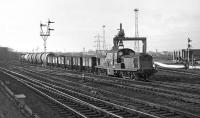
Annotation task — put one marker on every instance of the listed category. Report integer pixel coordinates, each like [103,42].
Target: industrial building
[193,56]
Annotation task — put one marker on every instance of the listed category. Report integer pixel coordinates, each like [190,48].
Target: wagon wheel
[123,75]
[132,76]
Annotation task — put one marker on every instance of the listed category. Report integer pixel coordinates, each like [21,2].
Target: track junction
[102,96]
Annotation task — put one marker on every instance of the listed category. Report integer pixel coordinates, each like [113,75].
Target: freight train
[120,62]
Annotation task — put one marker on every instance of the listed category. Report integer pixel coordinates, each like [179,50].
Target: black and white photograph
[100,59]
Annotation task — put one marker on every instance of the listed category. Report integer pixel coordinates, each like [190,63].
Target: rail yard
[122,84]
[153,74]
[66,93]
[58,85]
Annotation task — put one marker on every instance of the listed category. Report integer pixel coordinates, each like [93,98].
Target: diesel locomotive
[124,62]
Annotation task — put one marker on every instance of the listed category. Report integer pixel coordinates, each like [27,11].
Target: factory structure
[188,55]
[192,56]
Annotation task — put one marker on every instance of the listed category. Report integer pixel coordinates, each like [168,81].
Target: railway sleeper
[116,111]
[161,112]
[168,114]
[153,110]
[90,113]
[147,108]
[113,110]
[96,115]
[131,116]
[84,109]
[122,113]
[106,107]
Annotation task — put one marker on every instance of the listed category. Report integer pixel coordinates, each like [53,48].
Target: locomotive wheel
[98,71]
[146,77]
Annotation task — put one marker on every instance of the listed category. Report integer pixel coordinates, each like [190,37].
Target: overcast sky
[166,23]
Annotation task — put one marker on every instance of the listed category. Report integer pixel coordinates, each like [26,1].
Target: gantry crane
[120,37]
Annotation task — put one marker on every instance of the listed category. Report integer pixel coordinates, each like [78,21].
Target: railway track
[148,107]
[186,87]
[90,107]
[195,88]
[185,72]
[148,88]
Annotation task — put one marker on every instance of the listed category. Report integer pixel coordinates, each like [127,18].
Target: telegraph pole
[45,34]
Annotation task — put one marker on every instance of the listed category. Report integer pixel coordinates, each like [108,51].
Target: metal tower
[136,47]
[104,39]
[98,42]
[45,34]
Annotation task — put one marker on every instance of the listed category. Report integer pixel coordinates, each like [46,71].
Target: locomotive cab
[125,58]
